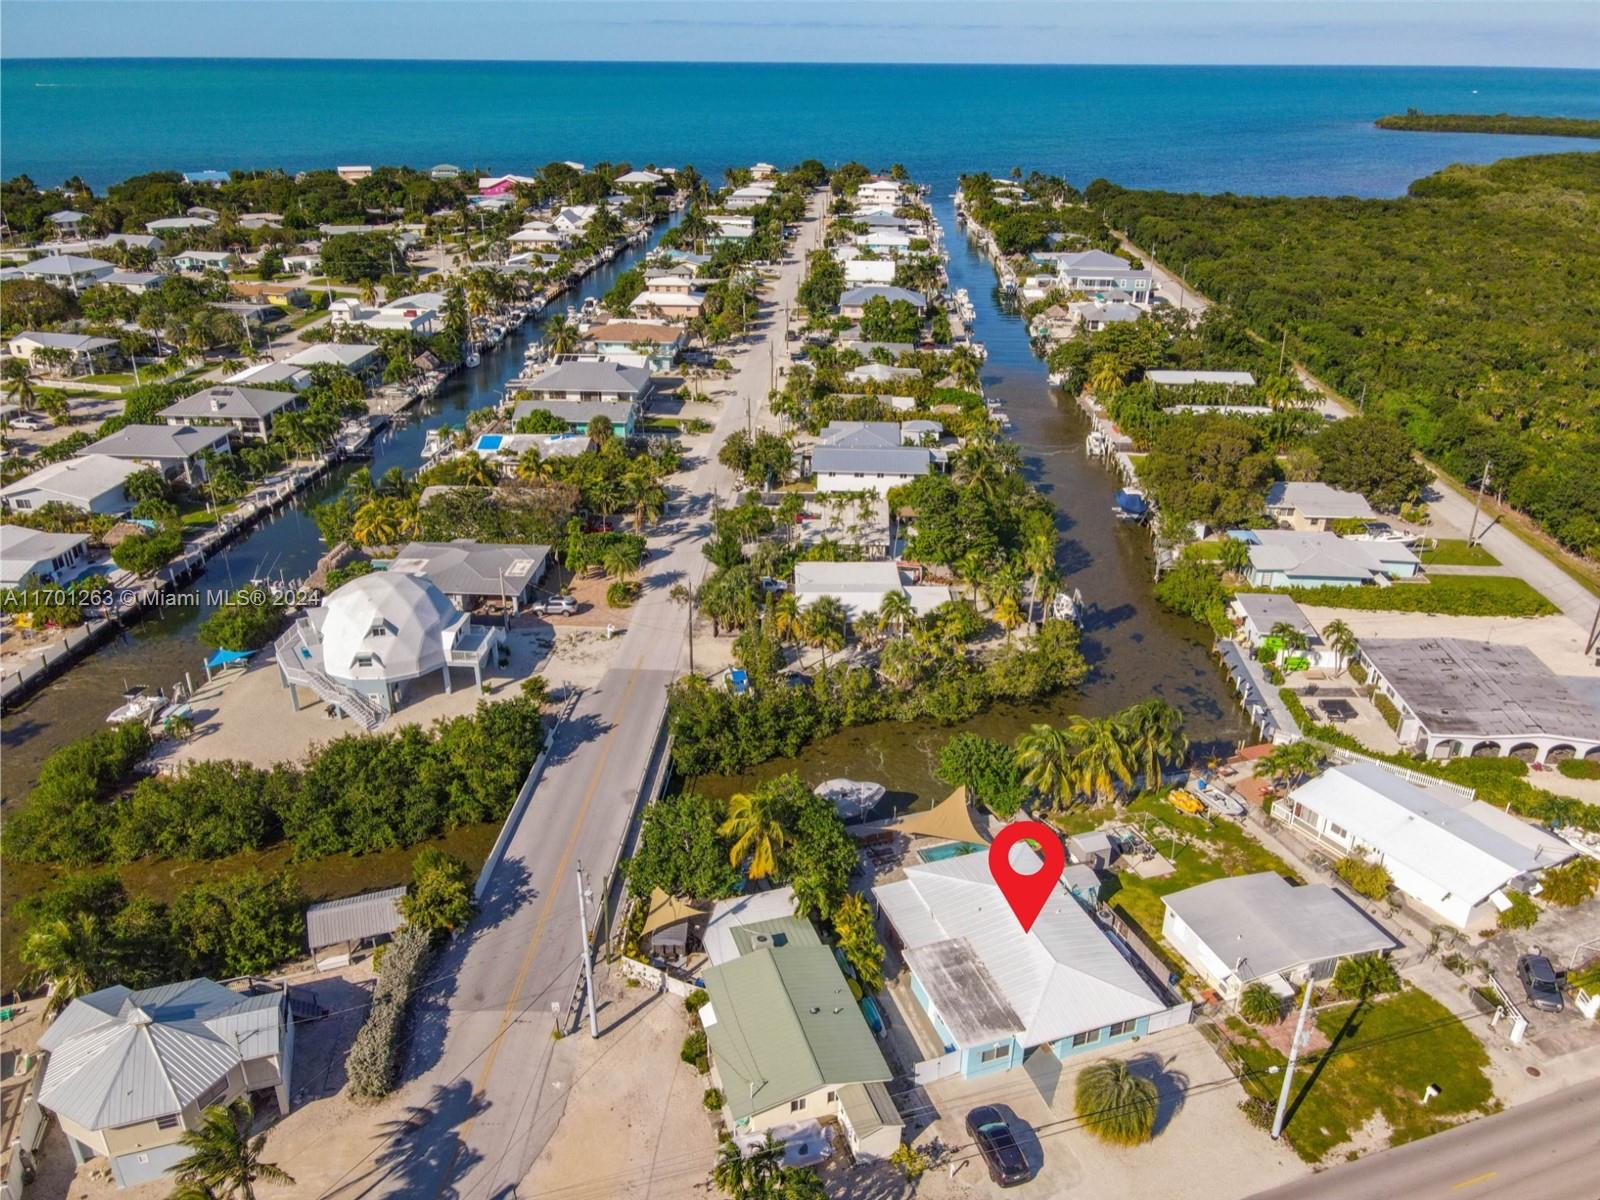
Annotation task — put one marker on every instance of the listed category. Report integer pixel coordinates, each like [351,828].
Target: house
[1184,379]
[878,191]
[652,345]
[93,483]
[1056,323]
[861,587]
[251,313]
[303,264]
[579,413]
[865,468]
[129,1073]
[1095,315]
[369,641]
[752,196]
[895,242]
[417,313]
[1460,697]
[67,219]
[672,305]
[502,185]
[354,357]
[444,171]
[787,1041]
[1247,929]
[260,220]
[507,448]
[853,303]
[344,926]
[205,260]
[279,293]
[600,379]
[1452,855]
[262,374]
[213,178]
[177,451]
[869,271]
[353,174]
[1281,558]
[992,991]
[1314,507]
[859,520]
[88,354]
[70,271]
[573,219]
[137,282]
[731,229]
[250,411]
[763,170]
[1095,271]
[472,573]
[539,235]
[1259,613]
[639,179]
[178,224]
[47,558]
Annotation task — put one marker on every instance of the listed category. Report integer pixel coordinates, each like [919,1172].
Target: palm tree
[1155,738]
[757,823]
[621,559]
[824,623]
[376,523]
[1366,976]
[645,494]
[1116,1105]
[1100,756]
[748,1176]
[71,955]
[1235,554]
[896,612]
[1260,1005]
[19,382]
[788,622]
[1039,559]
[1008,612]
[1105,375]
[1342,639]
[474,471]
[1288,764]
[1045,755]
[561,336]
[1292,637]
[224,1158]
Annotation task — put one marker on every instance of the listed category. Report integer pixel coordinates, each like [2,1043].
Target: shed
[1097,848]
[668,923]
[344,925]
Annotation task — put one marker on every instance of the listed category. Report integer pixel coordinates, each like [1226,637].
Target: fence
[657,977]
[1420,778]
[521,803]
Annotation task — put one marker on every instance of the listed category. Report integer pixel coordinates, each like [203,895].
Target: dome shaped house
[360,648]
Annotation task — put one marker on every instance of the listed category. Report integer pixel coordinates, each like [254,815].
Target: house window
[832,1096]
[379,629]
[1087,1038]
[995,1054]
[797,1105]
[20,503]
[170,1121]
[364,660]
[1120,1028]
[1337,831]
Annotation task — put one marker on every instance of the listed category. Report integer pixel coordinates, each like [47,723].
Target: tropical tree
[758,822]
[1045,755]
[896,612]
[622,558]
[1292,637]
[788,622]
[1366,976]
[1342,640]
[1234,554]
[70,954]
[748,1176]
[224,1158]
[440,898]
[1260,1005]
[1286,765]
[1008,612]
[561,336]
[858,939]
[1116,1105]
[19,382]
[1154,730]
[1099,757]
[823,624]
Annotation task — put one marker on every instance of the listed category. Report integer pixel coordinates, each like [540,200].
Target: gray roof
[228,401]
[23,547]
[1266,609]
[1319,500]
[860,295]
[895,460]
[342,354]
[1259,925]
[118,1057]
[467,568]
[82,478]
[589,376]
[157,441]
[354,918]
[869,1108]
[132,278]
[65,341]
[855,435]
[1482,689]
[1322,555]
[578,412]
[1089,310]
[971,1003]
[65,264]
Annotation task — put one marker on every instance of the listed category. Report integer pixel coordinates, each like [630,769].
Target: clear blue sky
[1530,33]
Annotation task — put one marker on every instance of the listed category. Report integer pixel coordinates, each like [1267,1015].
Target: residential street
[486,1089]
[1547,1148]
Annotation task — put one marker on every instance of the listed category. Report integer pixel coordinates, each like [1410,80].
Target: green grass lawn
[118,378]
[1380,1059]
[1449,595]
[1457,552]
[1203,551]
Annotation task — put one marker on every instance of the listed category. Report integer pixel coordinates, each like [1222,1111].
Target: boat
[1130,506]
[1068,608]
[853,798]
[1216,797]
[138,704]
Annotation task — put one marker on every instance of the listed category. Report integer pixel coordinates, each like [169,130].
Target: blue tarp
[1132,502]
[223,657]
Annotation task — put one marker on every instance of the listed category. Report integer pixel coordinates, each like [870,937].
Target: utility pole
[1472,537]
[588,961]
[1288,1071]
[1283,350]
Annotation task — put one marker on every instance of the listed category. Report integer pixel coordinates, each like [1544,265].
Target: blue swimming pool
[948,850]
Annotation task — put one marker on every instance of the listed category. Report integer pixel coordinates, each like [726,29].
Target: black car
[991,1132]
[1540,981]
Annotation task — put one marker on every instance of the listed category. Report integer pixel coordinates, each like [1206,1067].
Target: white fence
[1178,1014]
[937,1068]
[652,976]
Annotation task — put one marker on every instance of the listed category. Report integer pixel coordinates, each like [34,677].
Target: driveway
[1559,935]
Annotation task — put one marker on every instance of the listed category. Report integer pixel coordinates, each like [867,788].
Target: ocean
[1259,130]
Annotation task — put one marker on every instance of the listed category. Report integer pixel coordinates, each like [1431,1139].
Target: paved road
[486,1096]
[1547,1148]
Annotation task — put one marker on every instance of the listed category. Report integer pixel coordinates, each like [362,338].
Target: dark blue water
[1295,130]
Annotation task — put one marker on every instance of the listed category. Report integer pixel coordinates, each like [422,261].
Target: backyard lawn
[1456,552]
[1380,1060]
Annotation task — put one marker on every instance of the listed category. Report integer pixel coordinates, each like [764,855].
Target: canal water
[160,649]
[1136,649]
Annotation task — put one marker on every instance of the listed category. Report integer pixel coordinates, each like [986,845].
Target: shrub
[1449,595]
[913,1163]
[1364,876]
[694,1001]
[694,1051]
[145,552]
[1580,768]
[441,897]
[373,1065]
[1356,670]
[1571,883]
[1116,1105]
[1260,1005]
[1366,976]
[1523,913]
[622,593]
[1386,710]
[712,1100]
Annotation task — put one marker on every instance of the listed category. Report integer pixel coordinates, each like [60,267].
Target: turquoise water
[947,850]
[1295,130]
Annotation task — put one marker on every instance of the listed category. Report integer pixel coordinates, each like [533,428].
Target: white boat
[472,358]
[138,704]
[853,798]
[1216,797]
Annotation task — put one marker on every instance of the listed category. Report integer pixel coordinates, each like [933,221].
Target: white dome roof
[401,621]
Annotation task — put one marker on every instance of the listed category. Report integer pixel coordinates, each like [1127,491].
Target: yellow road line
[539,929]
[1473,1180]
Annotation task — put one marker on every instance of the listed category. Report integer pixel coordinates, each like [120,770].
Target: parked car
[769,584]
[26,422]
[1540,981]
[992,1134]
[559,606]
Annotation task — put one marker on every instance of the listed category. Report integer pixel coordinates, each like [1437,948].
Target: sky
[1528,33]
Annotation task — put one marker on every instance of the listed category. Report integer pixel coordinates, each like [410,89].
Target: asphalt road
[1547,1149]
[485,1096]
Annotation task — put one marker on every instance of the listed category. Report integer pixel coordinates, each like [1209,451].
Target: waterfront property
[1281,558]
[1246,929]
[178,224]
[46,558]
[653,345]
[860,271]
[250,412]
[588,380]
[91,482]
[354,357]
[861,587]
[994,992]
[1259,614]
[579,413]
[1095,315]
[472,573]
[853,303]
[1452,855]
[788,1043]
[1457,697]
[1095,271]
[129,1073]
[673,305]
[298,378]
[868,468]
[336,929]
[177,451]
[879,435]
[411,314]
[86,354]
[1314,507]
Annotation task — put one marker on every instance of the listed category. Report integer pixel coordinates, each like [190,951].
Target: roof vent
[138,1016]
[815,1010]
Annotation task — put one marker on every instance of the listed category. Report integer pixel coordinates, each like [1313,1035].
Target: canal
[160,649]
[1136,649]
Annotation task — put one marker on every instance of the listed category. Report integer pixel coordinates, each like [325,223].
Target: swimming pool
[947,850]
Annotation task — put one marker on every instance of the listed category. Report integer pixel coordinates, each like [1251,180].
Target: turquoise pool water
[948,850]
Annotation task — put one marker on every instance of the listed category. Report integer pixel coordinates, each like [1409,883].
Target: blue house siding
[1102,1039]
[972,1063]
[939,1026]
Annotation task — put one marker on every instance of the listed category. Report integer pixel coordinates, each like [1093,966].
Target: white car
[559,606]
[30,423]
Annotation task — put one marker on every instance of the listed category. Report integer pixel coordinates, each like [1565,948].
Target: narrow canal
[161,648]
[1137,650]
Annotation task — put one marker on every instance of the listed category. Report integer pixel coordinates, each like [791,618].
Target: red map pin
[1027,894]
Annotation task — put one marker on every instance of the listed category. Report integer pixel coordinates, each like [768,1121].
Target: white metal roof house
[352,356]
[600,379]
[1450,854]
[1315,506]
[69,271]
[1457,696]
[48,558]
[1259,613]
[853,303]
[178,224]
[129,1073]
[470,572]
[1095,315]
[250,411]
[177,451]
[993,992]
[867,468]
[92,482]
[204,260]
[1282,558]
[876,372]
[1246,929]
[859,586]
[87,352]
[870,270]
